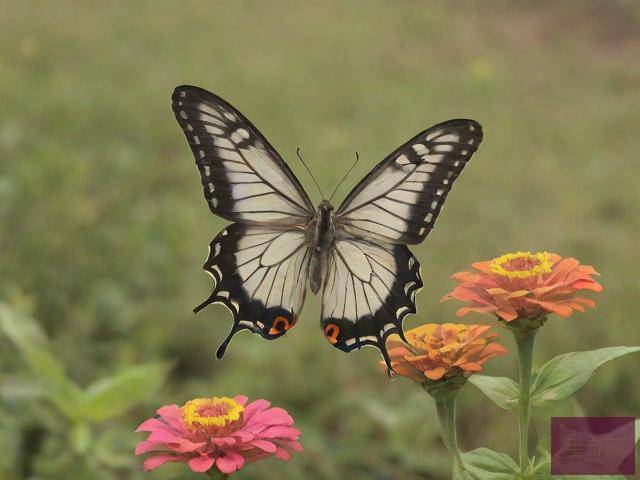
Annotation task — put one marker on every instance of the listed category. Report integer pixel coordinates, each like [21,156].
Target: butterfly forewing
[243,177]
[400,199]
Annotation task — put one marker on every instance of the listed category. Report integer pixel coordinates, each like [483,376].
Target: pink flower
[221,432]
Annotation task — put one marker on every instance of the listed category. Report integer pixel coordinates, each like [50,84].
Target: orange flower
[525,285]
[438,351]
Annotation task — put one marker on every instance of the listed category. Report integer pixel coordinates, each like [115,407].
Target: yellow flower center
[211,413]
[522,264]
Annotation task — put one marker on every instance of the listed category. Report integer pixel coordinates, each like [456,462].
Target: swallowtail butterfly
[278,243]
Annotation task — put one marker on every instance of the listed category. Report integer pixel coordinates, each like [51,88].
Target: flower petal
[229,462]
[201,463]
[154,462]
[264,445]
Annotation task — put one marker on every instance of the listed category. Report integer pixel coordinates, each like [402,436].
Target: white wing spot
[388,327]
[189,127]
[402,160]
[411,262]
[196,140]
[428,218]
[183,94]
[213,202]
[216,250]
[230,116]
[207,170]
[202,155]
[401,311]
[259,324]
[183,114]
[450,137]
[443,148]
[236,138]
[408,286]
[223,294]
[464,152]
[350,342]
[212,187]
[245,323]
[440,191]
[243,133]
[434,204]
[433,135]
[422,230]
[471,140]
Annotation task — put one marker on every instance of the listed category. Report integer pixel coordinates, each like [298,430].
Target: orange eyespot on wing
[280,324]
[332,331]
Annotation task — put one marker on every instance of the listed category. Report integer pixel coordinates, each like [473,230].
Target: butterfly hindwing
[369,289]
[260,275]
[243,177]
[400,199]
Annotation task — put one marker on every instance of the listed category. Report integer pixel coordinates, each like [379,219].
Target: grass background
[104,228]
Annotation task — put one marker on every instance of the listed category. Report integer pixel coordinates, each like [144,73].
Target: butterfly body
[278,243]
[323,237]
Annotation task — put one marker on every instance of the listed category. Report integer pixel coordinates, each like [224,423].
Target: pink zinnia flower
[221,432]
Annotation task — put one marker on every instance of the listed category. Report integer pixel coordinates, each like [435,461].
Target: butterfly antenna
[345,176]
[308,170]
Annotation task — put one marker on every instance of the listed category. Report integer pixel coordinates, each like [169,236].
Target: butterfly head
[325,206]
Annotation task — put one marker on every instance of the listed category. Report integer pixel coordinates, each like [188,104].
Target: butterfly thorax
[323,234]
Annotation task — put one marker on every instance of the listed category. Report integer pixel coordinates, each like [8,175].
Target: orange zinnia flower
[525,285]
[437,351]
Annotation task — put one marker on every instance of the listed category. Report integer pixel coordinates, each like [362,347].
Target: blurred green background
[104,228]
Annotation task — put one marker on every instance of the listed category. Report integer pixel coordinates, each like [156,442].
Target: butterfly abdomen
[323,235]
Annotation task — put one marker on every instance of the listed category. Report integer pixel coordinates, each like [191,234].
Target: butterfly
[278,243]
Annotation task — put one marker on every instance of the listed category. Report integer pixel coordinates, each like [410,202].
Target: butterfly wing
[372,276]
[260,275]
[243,177]
[400,199]
[369,289]
[259,264]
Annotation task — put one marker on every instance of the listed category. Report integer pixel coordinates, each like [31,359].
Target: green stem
[446,408]
[524,340]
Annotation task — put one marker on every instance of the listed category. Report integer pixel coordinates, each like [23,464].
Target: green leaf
[33,347]
[485,464]
[114,395]
[503,391]
[563,375]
